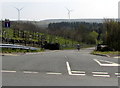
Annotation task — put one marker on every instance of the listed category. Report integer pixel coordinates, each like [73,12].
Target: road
[60,68]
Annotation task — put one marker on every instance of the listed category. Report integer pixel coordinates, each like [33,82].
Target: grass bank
[10,50]
[110,53]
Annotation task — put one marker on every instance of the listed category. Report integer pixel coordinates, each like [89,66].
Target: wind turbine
[18,12]
[69,12]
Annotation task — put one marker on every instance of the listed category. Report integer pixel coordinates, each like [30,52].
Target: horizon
[63,19]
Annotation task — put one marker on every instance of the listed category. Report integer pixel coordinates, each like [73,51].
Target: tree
[113,34]
[92,37]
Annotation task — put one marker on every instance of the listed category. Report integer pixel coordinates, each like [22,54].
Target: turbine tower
[69,12]
[19,12]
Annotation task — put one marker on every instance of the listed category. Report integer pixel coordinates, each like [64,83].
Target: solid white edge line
[8,71]
[101,75]
[110,65]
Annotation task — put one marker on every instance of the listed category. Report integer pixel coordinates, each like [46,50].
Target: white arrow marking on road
[68,68]
[70,72]
[108,63]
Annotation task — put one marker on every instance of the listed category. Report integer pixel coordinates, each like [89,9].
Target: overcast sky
[56,9]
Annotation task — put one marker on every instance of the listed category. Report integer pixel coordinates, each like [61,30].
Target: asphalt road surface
[60,68]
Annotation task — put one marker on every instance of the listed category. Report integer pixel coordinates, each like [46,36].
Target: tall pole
[19,12]
[69,12]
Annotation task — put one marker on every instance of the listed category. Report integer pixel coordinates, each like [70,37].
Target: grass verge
[110,53]
[10,50]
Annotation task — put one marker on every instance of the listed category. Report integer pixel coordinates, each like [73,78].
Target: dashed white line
[7,71]
[99,72]
[117,73]
[30,72]
[52,73]
[118,76]
[117,57]
[101,75]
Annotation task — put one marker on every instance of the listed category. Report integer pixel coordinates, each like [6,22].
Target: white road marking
[117,73]
[78,74]
[117,57]
[109,63]
[70,72]
[99,72]
[118,76]
[97,61]
[30,72]
[78,71]
[51,73]
[101,75]
[8,71]
[68,68]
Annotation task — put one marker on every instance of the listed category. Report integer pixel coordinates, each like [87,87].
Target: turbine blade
[21,8]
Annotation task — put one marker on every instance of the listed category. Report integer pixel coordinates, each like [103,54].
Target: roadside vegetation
[66,34]
[111,39]
[106,53]
[10,50]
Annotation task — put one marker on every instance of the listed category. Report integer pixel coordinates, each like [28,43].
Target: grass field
[65,43]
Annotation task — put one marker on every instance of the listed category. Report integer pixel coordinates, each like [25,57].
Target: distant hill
[44,23]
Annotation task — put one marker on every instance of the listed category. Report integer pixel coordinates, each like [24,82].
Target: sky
[37,10]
